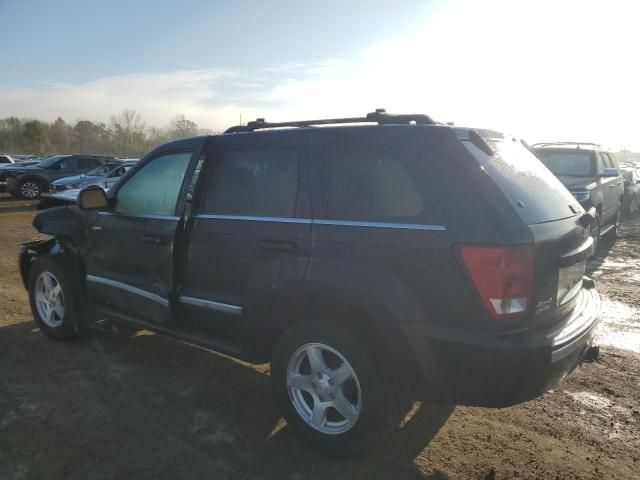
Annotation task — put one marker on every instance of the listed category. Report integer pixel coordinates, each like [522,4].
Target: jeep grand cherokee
[376,256]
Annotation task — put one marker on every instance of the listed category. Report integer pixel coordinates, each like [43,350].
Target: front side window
[70,163]
[363,183]
[601,164]
[154,189]
[259,182]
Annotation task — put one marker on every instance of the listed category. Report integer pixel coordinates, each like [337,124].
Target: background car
[6,159]
[592,175]
[31,181]
[104,176]
[631,199]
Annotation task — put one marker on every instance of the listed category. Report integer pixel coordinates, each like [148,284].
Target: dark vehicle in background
[32,181]
[592,175]
[631,199]
[6,159]
[358,259]
[104,176]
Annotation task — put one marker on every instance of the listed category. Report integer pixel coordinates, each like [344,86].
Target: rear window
[570,163]
[533,191]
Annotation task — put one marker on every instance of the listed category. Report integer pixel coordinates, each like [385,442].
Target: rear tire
[332,389]
[55,299]
[615,231]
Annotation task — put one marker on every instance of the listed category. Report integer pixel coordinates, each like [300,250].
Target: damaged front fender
[66,225]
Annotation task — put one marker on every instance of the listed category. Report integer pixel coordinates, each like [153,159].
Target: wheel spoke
[48,283]
[345,408]
[59,309]
[341,374]
[319,415]
[55,291]
[49,315]
[301,382]
[315,359]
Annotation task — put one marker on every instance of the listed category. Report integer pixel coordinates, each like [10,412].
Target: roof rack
[380,116]
[577,144]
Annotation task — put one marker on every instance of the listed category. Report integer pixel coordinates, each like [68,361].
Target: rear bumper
[498,370]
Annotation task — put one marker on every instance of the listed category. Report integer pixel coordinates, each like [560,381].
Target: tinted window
[533,191]
[569,163]
[4,159]
[154,189]
[69,163]
[85,163]
[365,183]
[254,181]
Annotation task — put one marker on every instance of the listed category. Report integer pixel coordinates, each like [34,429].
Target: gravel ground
[123,406]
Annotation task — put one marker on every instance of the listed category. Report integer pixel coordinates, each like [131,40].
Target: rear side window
[533,191]
[365,183]
[254,181]
[4,159]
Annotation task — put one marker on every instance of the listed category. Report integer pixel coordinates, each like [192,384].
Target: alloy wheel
[49,300]
[30,190]
[324,388]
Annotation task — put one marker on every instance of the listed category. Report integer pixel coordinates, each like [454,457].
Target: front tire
[332,390]
[54,299]
[615,231]
[30,189]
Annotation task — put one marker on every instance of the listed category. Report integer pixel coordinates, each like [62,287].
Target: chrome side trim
[404,226]
[211,305]
[346,223]
[129,288]
[151,216]
[250,218]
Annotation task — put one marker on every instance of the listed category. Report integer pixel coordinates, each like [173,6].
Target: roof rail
[380,116]
[577,144]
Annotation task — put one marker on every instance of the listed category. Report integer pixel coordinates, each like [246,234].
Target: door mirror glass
[92,198]
[610,172]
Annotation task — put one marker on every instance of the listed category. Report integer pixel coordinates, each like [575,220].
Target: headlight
[582,196]
[72,185]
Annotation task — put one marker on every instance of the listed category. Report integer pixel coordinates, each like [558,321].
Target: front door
[249,241]
[130,265]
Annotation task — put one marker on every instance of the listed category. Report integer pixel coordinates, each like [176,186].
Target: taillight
[502,277]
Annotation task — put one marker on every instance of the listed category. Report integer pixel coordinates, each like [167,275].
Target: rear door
[248,246]
[130,270]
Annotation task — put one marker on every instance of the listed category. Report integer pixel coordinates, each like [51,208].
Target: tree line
[126,135]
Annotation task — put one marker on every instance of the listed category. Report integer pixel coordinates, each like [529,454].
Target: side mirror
[92,198]
[610,172]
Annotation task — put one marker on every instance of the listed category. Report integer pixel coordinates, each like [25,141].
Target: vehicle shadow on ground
[144,406]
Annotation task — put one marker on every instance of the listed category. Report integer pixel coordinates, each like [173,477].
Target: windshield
[48,162]
[567,163]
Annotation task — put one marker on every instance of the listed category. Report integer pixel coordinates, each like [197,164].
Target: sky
[544,70]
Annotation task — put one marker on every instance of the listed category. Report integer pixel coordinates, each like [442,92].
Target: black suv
[32,181]
[593,176]
[370,264]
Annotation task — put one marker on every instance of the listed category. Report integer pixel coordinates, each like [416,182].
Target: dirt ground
[122,406]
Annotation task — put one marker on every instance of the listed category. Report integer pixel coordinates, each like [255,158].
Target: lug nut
[319,374]
[331,382]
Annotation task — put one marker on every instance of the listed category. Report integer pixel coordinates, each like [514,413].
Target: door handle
[154,239]
[278,245]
